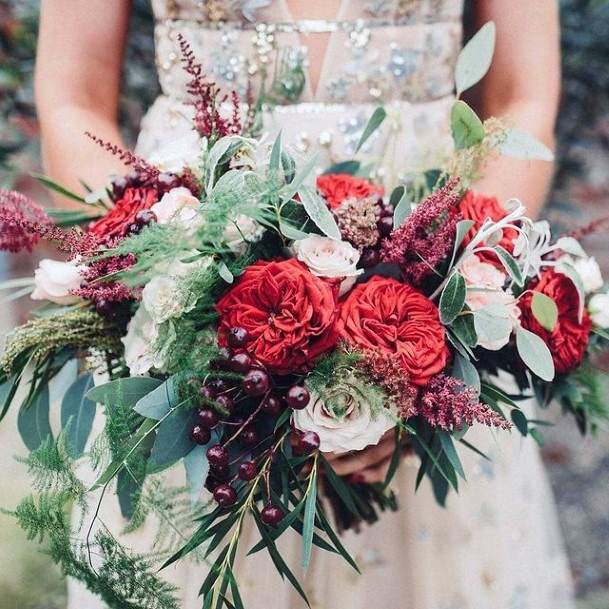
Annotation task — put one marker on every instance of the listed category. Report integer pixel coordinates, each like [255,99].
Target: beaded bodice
[377,49]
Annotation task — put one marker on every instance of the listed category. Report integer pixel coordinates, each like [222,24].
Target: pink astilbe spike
[448,403]
[427,236]
[207,99]
[99,283]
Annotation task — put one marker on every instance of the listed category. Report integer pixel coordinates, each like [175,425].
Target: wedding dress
[497,544]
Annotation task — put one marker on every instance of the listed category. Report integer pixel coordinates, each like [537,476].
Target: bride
[327,64]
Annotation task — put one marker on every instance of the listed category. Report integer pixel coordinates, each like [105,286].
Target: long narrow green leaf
[377,118]
[309,522]
[451,453]
[57,187]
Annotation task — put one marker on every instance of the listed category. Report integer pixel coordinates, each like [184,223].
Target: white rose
[327,257]
[484,284]
[182,152]
[598,308]
[587,269]
[178,206]
[54,280]
[139,343]
[241,231]
[354,429]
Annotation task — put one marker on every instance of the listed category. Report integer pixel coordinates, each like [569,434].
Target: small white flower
[532,244]
[353,429]
[327,257]
[54,280]
[139,342]
[183,152]
[241,231]
[179,207]
[598,308]
[587,269]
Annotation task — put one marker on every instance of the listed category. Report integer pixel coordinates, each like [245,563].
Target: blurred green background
[579,468]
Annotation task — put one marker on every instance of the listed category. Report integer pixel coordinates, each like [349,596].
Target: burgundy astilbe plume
[20,222]
[448,403]
[98,284]
[427,236]
[207,100]
[393,379]
[23,223]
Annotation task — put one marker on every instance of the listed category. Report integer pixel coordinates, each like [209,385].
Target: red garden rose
[384,314]
[569,339]
[478,207]
[116,222]
[337,187]
[289,314]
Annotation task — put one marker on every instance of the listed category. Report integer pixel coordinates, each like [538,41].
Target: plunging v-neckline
[314,87]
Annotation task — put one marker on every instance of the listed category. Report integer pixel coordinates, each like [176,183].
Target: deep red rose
[289,314]
[338,187]
[478,207]
[569,339]
[116,222]
[384,314]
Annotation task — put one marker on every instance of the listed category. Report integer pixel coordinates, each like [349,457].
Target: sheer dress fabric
[497,545]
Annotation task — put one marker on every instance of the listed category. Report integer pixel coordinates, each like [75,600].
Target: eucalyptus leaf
[452,299]
[510,265]
[172,442]
[127,391]
[159,402]
[572,246]
[535,354]
[275,160]
[309,522]
[197,468]
[463,227]
[519,144]
[319,213]
[467,128]
[33,422]
[520,422]
[225,273]
[346,167]
[492,323]
[290,232]
[377,118]
[79,412]
[475,58]
[545,310]
[465,371]
[451,453]
[402,209]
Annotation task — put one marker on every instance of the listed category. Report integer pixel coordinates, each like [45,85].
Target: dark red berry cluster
[242,413]
[371,256]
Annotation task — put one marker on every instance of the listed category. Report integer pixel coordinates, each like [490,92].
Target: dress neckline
[314,88]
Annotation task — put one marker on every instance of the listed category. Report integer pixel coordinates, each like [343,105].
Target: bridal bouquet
[232,311]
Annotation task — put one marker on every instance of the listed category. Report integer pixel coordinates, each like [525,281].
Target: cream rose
[598,308]
[349,425]
[54,280]
[140,354]
[182,152]
[327,257]
[178,206]
[484,284]
[587,269]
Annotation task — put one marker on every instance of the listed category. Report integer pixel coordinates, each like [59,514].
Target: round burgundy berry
[207,392]
[271,405]
[200,435]
[256,382]
[240,362]
[271,514]
[306,443]
[246,470]
[370,258]
[133,179]
[237,337]
[225,401]
[208,418]
[217,455]
[134,229]
[219,386]
[144,217]
[225,495]
[387,211]
[249,437]
[211,483]
[297,397]
[385,225]
[119,186]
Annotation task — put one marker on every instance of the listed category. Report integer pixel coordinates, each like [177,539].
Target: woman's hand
[368,465]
